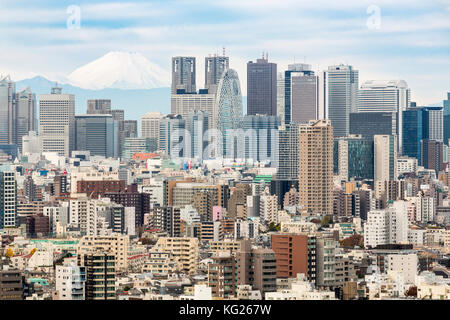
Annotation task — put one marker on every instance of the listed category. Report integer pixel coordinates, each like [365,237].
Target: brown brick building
[96,188]
[291,251]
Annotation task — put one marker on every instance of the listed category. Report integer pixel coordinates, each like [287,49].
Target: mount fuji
[133,84]
[120,70]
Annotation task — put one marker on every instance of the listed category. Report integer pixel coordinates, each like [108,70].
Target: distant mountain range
[129,79]
[135,102]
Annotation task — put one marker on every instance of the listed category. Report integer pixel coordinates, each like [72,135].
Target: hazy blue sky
[410,40]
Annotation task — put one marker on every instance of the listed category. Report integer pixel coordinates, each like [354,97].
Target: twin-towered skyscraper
[221,99]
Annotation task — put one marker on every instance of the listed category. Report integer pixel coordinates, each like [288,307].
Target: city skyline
[269,177]
[159,32]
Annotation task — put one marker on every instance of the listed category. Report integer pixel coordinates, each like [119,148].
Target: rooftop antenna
[267,56]
[223,51]
[263,55]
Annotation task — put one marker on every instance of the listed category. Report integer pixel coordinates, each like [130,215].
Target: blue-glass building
[369,124]
[359,157]
[412,132]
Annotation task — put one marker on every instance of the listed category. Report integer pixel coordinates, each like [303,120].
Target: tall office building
[369,124]
[197,125]
[340,96]
[385,157]
[431,154]
[446,110]
[56,120]
[433,123]
[183,75]
[296,69]
[280,96]
[7,95]
[303,94]
[25,115]
[412,132]
[229,113]
[119,115]
[315,169]
[288,152]
[261,137]
[8,198]
[97,133]
[262,87]
[150,128]
[183,104]
[214,68]
[386,96]
[96,106]
[171,135]
[353,157]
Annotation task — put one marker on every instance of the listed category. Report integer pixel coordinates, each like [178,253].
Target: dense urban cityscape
[326,189]
[217,159]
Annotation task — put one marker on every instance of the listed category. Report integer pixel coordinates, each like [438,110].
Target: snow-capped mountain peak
[120,70]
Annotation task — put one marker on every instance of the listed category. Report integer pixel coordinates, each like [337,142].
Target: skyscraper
[25,115]
[280,96]
[263,145]
[433,123]
[431,152]
[385,157]
[183,74]
[229,112]
[214,68]
[150,128]
[7,95]
[340,96]
[119,115]
[183,104]
[386,96]
[97,133]
[262,87]
[315,169]
[56,118]
[8,198]
[369,124]
[171,135]
[288,152]
[197,126]
[301,94]
[412,132]
[353,157]
[99,106]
